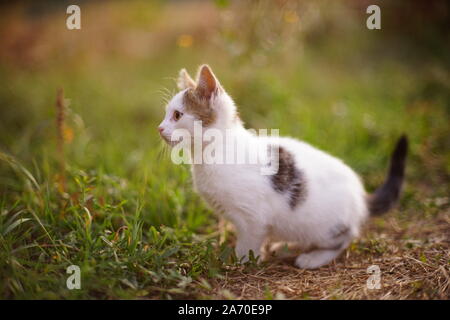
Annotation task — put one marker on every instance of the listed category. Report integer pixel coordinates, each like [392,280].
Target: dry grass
[414,261]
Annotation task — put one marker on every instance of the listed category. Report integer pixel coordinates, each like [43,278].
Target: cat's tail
[384,198]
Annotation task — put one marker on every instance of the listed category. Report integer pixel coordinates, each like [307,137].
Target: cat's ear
[185,81]
[207,83]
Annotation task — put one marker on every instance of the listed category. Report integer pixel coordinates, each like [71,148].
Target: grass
[130,218]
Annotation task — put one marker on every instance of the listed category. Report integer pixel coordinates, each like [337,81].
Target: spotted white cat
[314,199]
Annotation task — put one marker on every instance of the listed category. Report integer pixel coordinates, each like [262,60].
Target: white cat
[313,199]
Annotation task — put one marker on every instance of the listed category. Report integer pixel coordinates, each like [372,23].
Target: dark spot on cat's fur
[339,230]
[337,246]
[289,179]
[338,238]
[199,107]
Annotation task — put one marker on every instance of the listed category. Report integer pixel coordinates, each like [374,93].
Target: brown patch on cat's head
[198,97]
[199,107]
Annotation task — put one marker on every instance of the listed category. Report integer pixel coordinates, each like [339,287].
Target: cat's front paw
[248,245]
[244,255]
[305,261]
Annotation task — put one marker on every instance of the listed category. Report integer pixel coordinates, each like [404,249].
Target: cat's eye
[177,115]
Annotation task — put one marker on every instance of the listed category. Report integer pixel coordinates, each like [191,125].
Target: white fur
[335,195]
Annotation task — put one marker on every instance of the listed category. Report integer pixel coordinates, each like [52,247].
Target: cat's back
[318,163]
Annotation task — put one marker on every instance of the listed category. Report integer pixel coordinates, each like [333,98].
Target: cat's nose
[160,129]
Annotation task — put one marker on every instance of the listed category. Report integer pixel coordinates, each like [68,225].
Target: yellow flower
[68,134]
[185,41]
[290,16]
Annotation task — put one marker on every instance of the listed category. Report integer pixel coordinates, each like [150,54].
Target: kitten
[313,199]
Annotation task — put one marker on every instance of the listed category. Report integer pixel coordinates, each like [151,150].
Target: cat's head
[202,100]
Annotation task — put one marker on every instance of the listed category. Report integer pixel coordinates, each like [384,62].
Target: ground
[413,262]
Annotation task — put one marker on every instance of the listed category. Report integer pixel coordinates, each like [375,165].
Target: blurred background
[310,68]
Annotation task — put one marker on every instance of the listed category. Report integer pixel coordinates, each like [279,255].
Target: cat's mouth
[170,142]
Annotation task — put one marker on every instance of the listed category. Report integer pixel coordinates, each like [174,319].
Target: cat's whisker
[165,95]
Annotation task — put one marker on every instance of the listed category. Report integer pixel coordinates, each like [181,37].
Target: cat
[313,199]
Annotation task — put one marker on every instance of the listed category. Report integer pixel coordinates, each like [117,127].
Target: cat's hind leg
[328,251]
[317,258]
